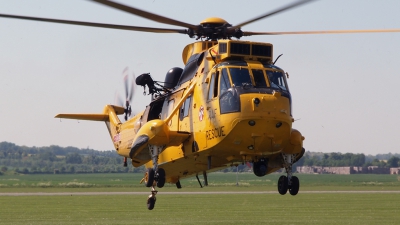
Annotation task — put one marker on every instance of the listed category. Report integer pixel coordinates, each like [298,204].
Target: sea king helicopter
[230,104]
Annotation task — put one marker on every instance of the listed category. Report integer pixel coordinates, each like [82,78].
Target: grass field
[207,208]
[217,181]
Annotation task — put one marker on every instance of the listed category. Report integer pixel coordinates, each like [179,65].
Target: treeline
[349,159]
[336,160]
[56,159]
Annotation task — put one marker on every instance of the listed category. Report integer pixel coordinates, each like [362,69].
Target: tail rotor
[129,85]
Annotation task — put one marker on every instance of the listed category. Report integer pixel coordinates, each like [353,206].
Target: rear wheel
[150,203]
[282,185]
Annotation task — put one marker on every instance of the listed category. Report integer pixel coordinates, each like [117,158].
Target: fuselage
[239,110]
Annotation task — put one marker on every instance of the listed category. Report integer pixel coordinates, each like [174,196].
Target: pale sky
[344,86]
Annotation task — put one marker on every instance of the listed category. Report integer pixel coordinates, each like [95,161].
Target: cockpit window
[240,76]
[225,84]
[259,78]
[277,80]
[211,87]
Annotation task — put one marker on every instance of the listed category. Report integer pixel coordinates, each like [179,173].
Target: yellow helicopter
[230,104]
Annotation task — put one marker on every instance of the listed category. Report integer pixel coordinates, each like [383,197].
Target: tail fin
[109,116]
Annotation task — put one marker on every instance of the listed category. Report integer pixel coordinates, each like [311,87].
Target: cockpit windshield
[231,81]
[240,76]
[257,78]
[277,79]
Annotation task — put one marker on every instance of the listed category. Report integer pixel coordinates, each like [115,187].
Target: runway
[187,193]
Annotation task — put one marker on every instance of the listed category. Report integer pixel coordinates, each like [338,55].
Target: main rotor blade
[102,25]
[282,9]
[245,33]
[144,14]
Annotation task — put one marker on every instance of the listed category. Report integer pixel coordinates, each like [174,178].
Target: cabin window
[154,109]
[185,108]
[167,108]
[240,76]
[225,84]
[259,78]
[211,87]
[277,80]
[170,108]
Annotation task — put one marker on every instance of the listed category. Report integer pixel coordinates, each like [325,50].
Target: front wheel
[149,177]
[282,185]
[295,186]
[161,177]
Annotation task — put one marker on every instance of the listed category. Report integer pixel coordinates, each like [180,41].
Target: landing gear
[178,185]
[149,177]
[260,167]
[288,182]
[205,179]
[151,200]
[294,188]
[282,185]
[160,177]
[153,179]
[154,176]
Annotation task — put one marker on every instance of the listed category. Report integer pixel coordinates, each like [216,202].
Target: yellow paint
[227,138]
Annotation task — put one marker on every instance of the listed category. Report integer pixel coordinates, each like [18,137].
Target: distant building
[344,170]
[395,170]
